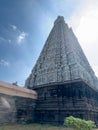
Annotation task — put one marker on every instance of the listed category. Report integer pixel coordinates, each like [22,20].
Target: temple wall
[7,109]
[57,102]
[16,104]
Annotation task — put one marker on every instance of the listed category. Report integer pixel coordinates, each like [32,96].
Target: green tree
[79,124]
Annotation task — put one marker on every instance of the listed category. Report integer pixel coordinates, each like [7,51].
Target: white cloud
[21,37]
[4,63]
[14,27]
[84,22]
[96,68]
[17,36]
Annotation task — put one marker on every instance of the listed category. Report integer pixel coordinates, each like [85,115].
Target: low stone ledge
[14,90]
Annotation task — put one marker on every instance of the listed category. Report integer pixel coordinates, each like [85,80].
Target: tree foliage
[79,124]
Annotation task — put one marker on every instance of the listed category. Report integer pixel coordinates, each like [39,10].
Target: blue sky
[25,26]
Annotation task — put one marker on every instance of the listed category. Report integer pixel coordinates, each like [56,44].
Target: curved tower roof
[61,60]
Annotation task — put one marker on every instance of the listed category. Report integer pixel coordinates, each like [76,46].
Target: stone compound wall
[16,104]
[7,109]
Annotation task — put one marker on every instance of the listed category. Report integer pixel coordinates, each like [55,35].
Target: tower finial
[59,19]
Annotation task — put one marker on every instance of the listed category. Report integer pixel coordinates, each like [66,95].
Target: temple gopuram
[63,78]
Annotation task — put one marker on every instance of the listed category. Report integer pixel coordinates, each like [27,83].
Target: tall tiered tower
[63,78]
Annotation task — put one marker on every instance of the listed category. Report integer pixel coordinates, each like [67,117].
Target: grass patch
[32,127]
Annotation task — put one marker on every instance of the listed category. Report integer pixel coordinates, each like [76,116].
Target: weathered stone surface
[17,104]
[56,102]
[7,109]
[13,90]
[25,109]
[64,79]
[61,59]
